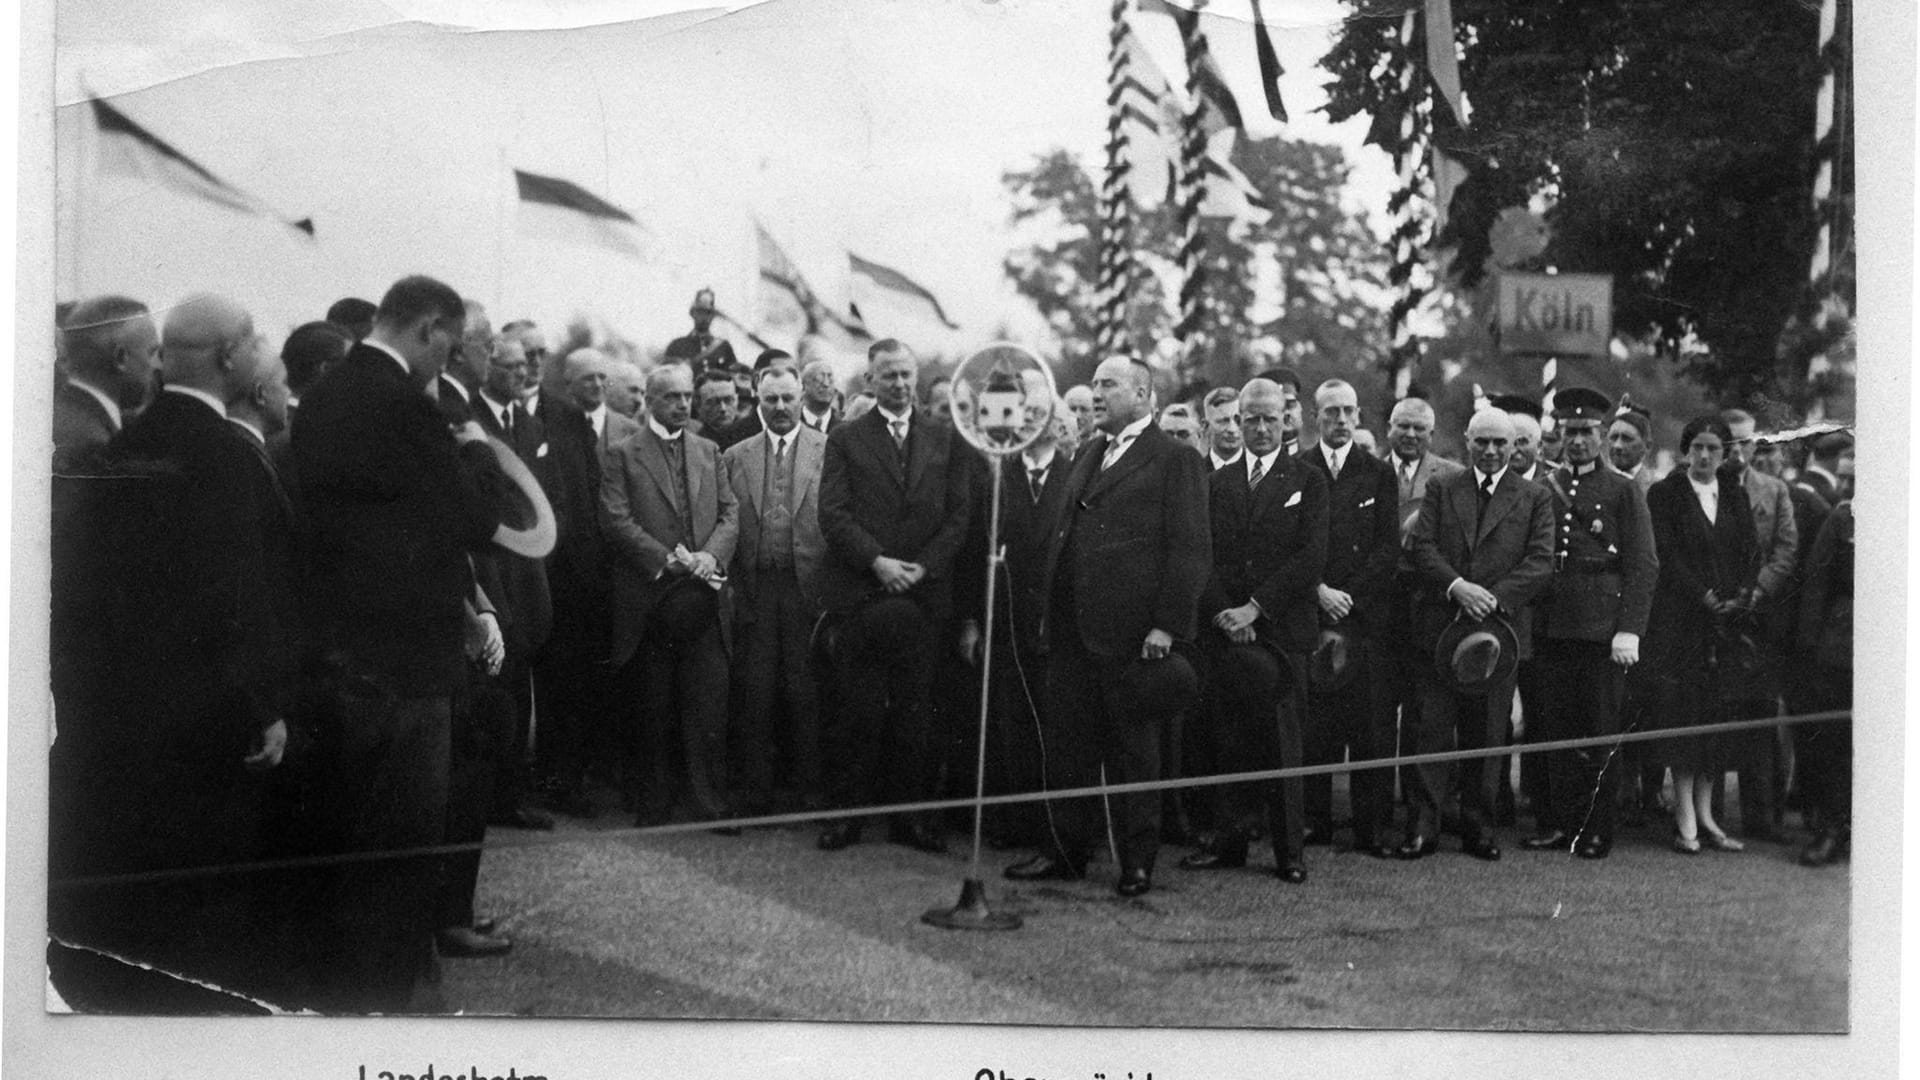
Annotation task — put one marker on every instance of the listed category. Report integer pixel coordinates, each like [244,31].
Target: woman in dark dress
[1703,532]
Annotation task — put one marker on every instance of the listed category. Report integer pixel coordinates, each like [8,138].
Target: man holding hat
[1351,705]
[1591,621]
[1482,547]
[701,349]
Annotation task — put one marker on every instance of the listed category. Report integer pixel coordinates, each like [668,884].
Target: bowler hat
[1336,659]
[1475,655]
[1160,687]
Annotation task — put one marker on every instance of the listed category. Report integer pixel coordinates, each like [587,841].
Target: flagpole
[1113,290]
[1193,150]
[500,234]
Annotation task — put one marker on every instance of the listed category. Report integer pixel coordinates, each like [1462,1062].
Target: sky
[877,126]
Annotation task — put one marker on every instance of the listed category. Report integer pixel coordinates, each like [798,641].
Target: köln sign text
[1562,314]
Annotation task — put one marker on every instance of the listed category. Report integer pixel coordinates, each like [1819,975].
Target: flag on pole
[567,210]
[1270,70]
[1443,64]
[1229,193]
[780,271]
[129,150]
[887,288]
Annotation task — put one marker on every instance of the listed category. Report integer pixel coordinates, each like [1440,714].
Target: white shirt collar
[531,402]
[498,407]
[1480,479]
[1264,461]
[660,429]
[1222,462]
[779,443]
[1336,459]
[250,427]
[107,403]
[816,420]
[597,416]
[212,402]
[405,368]
[896,418]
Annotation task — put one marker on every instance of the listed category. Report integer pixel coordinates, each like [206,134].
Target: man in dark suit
[110,352]
[1269,522]
[1528,440]
[1124,570]
[1033,489]
[716,405]
[1483,547]
[1589,625]
[775,475]
[525,597]
[393,514]
[894,502]
[164,678]
[672,522]
[1354,590]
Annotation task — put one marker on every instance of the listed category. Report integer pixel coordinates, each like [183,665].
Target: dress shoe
[1134,882]
[1592,847]
[1720,841]
[919,837]
[466,941]
[839,835]
[484,924]
[1292,873]
[1045,868]
[1217,859]
[522,817]
[1484,850]
[1417,847]
[1557,840]
[1824,849]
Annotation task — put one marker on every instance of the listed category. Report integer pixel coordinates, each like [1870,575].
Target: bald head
[1490,439]
[109,343]
[1410,429]
[207,343]
[587,372]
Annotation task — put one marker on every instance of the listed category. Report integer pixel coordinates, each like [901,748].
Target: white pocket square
[1364,505]
[542,452]
[1292,500]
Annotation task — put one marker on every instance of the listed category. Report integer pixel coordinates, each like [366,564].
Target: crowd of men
[413,578]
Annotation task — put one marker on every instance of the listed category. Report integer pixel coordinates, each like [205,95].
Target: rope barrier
[817,816]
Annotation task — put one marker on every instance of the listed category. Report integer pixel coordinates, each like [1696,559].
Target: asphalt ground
[765,927]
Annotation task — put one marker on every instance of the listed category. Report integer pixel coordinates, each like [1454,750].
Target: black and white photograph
[1010,539]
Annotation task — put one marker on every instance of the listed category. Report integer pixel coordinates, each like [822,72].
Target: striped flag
[565,209]
[887,289]
[780,271]
[129,150]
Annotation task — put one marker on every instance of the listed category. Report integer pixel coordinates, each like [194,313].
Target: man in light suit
[1483,546]
[775,474]
[110,352]
[1124,571]
[1415,465]
[894,502]
[1755,754]
[672,521]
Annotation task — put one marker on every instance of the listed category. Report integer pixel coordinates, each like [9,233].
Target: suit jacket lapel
[754,462]
[1465,498]
[920,439]
[1505,495]
[809,456]
[653,458]
[880,439]
[1135,457]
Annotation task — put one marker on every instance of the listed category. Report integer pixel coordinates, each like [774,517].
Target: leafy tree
[1330,269]
[1673,144]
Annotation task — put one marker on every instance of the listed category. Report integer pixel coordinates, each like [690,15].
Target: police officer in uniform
[1589,625]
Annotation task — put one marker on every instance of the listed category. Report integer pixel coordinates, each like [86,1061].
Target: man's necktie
[1259,473]
[779,451]
[1112,455]
[1486,491]
[1333,467]
[1036,479]
[506,423]
[899,429]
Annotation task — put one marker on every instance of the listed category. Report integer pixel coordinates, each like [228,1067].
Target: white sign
[1562,314]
